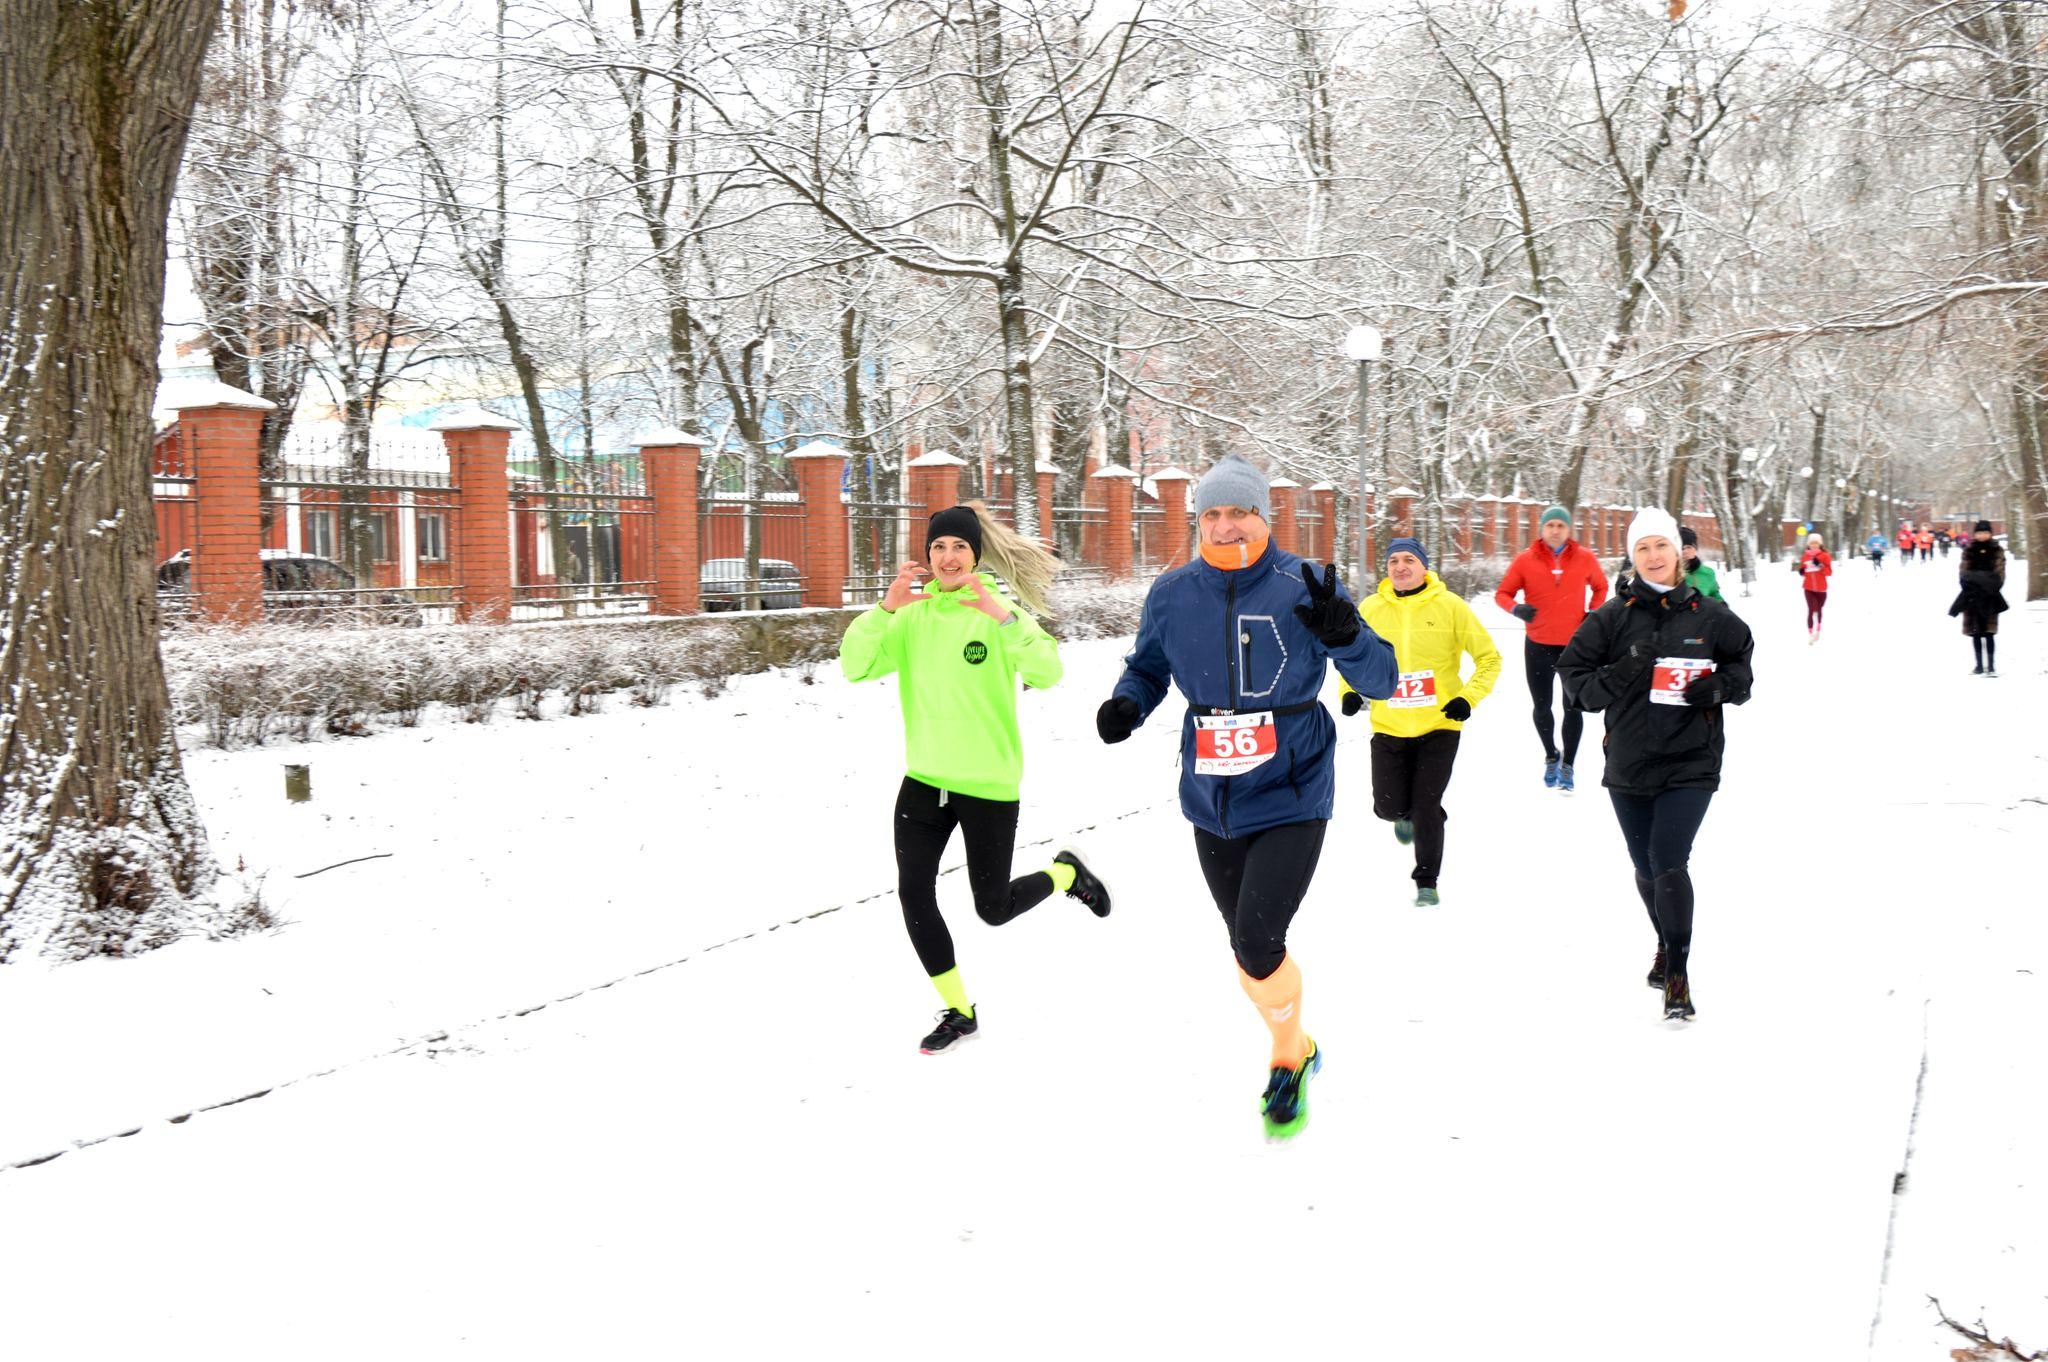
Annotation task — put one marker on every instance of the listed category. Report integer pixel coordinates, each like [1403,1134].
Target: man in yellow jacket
[1415,731]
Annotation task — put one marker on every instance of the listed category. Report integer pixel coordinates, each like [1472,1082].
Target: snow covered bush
[1097,609]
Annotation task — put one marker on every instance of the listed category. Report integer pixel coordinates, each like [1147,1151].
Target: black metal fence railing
[581,552]
[881,535]
[750,552]
[344,543]
[1078,536]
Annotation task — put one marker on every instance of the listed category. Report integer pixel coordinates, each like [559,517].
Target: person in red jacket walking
[1814,567]
[1907,542]
[1560,582]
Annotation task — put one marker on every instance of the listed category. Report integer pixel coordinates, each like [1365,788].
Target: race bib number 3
[1417,690]
[1231,744]
[1671,675]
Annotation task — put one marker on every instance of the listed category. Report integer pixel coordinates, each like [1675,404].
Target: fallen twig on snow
[1983,1339]
[378,856]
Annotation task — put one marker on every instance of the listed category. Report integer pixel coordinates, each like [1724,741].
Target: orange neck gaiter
[1230,557]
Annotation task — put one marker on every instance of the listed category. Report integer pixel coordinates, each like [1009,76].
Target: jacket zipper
[1230,667]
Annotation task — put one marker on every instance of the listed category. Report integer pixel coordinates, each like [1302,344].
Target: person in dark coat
[1661,662]
[1982,599]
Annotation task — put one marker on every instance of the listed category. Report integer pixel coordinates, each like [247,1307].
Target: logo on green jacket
[975,652]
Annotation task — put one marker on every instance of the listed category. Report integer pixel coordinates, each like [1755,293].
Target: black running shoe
[1655,979]
[1086,887]
[1285,1104]
[953,1028]
[1677,998]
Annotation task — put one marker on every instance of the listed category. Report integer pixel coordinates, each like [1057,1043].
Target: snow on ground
[717,1138]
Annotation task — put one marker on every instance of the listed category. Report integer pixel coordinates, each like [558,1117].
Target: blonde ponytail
[1024,563]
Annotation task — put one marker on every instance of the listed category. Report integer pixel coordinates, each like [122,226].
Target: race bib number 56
[1671,675]
[1231,744]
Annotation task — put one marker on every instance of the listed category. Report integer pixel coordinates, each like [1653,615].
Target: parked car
[300,586]
[722,585]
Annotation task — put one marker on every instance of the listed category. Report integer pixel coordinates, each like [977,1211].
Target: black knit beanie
[954,520]
[1983,525]
[1688,536]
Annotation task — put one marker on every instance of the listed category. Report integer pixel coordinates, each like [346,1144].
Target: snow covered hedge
[245,686]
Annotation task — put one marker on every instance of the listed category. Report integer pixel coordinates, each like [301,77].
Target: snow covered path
[739,1153]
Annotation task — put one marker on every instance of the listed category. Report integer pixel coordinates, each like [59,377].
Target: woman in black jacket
[1660,660]
[1982,599]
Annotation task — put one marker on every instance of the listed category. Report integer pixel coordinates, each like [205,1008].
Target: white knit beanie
[1649,521]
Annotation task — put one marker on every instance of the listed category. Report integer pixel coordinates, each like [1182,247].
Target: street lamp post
[1363,345]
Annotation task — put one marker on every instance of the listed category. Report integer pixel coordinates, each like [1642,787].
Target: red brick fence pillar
[1047,474]
[477,442]
[1171,484]
[1324,549]
[934,484]
[1286,523]
[670,459]
[820,476]
[222,432]
[1116,482]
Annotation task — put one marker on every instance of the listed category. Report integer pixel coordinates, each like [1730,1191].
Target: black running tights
[1409,777]
[1659,830]
[1986,648]
[1257,882]
[1540,661]
[925,819]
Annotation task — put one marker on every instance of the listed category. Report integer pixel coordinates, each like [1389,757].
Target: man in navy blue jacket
[1244,631]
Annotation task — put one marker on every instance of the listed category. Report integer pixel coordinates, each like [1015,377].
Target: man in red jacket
[1559,581]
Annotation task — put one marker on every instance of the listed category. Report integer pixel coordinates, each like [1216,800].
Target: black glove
[1458,710]
[1331,619]
[1351,703]
[1707,690]
[1117,717]
[1635,661]
[1525,612]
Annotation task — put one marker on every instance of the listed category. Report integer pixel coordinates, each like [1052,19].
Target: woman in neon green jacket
[1415,730]
[959,648]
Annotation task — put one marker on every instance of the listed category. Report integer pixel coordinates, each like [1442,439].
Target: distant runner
[1814,567]
[1698,575]
[1559,580]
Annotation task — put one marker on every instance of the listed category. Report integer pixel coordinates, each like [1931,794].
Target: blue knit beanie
[1407,545]
[1234,481]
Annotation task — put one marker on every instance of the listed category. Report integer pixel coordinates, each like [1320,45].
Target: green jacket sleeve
[873,645]
[1706,581]
[1474,639]
[1033,652]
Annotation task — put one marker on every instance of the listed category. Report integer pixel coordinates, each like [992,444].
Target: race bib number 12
[1671,675]
[1231,744]
[1416,690]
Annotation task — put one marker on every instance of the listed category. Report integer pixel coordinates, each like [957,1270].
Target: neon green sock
[953,991]
[1062,876]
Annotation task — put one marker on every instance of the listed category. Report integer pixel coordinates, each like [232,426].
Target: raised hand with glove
[1458,710]
[1331,618]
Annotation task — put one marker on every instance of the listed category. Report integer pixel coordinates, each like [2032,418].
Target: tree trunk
[101,849]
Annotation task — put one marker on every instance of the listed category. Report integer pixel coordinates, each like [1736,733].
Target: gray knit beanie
[1234,481]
